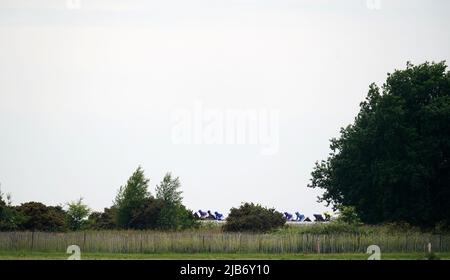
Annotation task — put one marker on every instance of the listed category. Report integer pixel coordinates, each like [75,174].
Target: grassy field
[18,255]
[319,241]
[211,242]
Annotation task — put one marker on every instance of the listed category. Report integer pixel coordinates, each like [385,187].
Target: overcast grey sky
[88,90]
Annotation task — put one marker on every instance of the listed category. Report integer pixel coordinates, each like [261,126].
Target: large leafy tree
[393,162]
[131,197]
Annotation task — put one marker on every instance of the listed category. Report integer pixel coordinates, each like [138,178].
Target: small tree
[131,197]
[9,218]
[173,215]
[254,218]
[168,189]
[77,214]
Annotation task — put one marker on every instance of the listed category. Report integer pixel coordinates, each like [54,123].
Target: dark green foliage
[176,217]
[432,257]
[333,227]
[102,220]
[93,219]
[393,163]
[442,228]
[9,217]
[253,218]
[39,217]
[173,215]
[131,197]
[147,215]
[348,215]
[137,209]
[159,214]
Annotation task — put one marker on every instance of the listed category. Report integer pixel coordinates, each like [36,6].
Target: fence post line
[140,242]
[203,243]
[318,244]
[84,240]
[32,240]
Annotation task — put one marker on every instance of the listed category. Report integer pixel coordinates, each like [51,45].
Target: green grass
[332,241]
[25,255]
[287,241]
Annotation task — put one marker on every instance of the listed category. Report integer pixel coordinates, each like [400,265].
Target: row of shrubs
[36,216]
[134,208]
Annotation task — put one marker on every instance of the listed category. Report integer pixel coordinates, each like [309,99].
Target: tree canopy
[102,220]
[168,189]
[39,217]
[136,208]
[131,197]
[392,164]
[8,215]
[77,214]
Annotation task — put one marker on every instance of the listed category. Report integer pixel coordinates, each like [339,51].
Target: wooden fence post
[318,245]
[32,240]
[84,240]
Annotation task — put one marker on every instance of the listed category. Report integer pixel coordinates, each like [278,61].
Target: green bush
[9,217]
[253,218]
[39,217]
[176,217]
[102,220]
[159,214]
[396,227]
[348,215]
[432,257]
[147,215]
